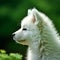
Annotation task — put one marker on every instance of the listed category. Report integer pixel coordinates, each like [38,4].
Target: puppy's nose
[13,34]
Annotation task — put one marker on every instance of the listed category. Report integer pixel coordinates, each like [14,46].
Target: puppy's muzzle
[13,34]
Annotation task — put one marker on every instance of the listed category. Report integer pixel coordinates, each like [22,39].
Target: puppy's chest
[33,55]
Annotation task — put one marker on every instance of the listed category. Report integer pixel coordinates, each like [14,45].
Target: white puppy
[38,32]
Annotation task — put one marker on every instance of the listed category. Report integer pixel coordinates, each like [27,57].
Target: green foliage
[11,56]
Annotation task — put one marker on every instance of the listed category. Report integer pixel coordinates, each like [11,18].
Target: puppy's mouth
[23,42]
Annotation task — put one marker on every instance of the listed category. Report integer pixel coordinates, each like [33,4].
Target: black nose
[13,34]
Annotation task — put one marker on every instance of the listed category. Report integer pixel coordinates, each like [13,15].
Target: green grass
[11,56]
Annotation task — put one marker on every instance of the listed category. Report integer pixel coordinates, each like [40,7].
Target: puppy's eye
[24,29]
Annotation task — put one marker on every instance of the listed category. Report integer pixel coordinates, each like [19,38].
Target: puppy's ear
[33,18]
[29,11]
[35,15]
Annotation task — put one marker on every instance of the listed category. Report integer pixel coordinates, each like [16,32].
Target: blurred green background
[13,11]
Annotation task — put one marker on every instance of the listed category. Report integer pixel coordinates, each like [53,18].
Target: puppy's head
[29,31]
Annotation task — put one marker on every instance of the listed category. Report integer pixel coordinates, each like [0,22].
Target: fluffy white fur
[38,32]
